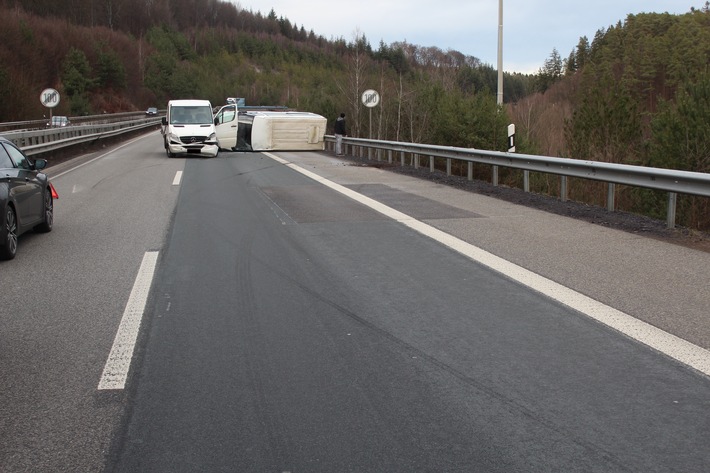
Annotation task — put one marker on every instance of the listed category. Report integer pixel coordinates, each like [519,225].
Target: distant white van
[188,128]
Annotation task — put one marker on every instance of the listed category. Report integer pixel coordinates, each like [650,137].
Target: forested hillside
[127,54]
[638,93]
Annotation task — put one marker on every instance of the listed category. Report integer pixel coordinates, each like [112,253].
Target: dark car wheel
[48,223]
[9,248]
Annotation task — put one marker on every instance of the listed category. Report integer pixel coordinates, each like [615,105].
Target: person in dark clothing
[339,133]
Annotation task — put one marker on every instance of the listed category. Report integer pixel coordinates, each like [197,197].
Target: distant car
[238,101]
[151,111]
[26,197]
[58,121]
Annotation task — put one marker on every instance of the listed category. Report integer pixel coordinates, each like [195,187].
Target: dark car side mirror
[40,164]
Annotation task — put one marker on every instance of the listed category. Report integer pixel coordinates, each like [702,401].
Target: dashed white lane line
[119,359]
[675,347]
[178,178]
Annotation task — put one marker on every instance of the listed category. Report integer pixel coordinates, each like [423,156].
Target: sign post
[370,99]
[50,99]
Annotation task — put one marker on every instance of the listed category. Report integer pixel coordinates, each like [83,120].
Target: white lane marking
[119,360]
[675,347]
[178,178]
[97,157]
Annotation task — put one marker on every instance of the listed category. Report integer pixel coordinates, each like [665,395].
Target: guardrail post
[389,156]
[526,181]
[563,188]
[369,153]
[470,171]
[495,176]
[401,158]
[670,217]
[416,160]
[448,166]
[610,196]
[431,163]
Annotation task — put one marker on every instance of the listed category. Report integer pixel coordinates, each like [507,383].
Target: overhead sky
[531,28]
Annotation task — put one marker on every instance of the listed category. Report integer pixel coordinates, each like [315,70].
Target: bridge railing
[671,181]
[28,125]
[49,139]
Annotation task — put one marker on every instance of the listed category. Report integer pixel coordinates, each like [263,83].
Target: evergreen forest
[637,93]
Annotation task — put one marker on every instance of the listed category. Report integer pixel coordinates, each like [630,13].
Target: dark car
[151,111]
[26,197]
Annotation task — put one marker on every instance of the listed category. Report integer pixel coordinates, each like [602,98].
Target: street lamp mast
[500,52]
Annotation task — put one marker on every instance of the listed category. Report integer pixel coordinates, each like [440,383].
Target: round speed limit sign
[49,98]
[370,98]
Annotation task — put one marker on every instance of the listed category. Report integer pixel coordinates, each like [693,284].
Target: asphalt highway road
[292,328]
[62,298]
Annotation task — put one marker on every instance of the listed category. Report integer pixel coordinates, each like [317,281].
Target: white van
[188,128]
[269,130]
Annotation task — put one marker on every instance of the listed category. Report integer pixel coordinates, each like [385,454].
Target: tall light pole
[500,52]
[494,178]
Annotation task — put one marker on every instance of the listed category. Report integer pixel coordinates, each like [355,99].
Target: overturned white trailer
[273,130]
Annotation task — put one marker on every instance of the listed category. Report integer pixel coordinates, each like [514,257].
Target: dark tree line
[136,17]
[637,94]
[107,54]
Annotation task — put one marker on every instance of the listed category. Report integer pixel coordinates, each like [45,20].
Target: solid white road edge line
[178,178]
[675,347]
[119,360]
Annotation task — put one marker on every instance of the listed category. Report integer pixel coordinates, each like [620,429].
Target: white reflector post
[511,138]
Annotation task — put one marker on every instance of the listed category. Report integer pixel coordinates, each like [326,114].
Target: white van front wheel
[167,150]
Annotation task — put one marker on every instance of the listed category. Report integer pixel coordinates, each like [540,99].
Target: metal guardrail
[28,125]
[41,141]
[668,180]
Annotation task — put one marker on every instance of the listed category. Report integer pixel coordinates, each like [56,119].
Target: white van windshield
[190,115]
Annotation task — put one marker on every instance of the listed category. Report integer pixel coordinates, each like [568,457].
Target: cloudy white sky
[531,28]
